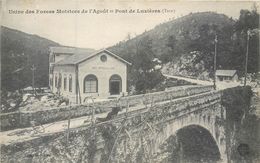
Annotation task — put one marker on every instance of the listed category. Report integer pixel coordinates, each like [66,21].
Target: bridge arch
[192,143]
[203,122]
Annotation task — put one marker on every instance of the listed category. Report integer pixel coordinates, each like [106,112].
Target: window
[70,83]
[103,58]
[56,81]
[90,84]
[65,83]
[59,81]
[51,82]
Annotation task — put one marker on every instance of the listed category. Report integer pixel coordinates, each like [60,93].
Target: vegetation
[144,74]
[19,52]
[193,36]
[190,36]
[241,125]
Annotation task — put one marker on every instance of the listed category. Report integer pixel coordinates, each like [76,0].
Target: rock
[31,100]
[9,94]
[157,67]
[12,104]
[63,104]
[26,96]
[44,98]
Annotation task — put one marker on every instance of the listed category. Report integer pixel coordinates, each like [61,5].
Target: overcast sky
[102,30]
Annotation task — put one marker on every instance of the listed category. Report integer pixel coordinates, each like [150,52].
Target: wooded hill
[189,36]
[19,51]
[180,31]
[192,36]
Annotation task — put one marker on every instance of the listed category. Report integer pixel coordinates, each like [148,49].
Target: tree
[171,44]
[145,76]
[205,44]
[248,20]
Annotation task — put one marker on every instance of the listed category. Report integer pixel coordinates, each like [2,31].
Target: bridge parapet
[172,109]
[23,119]
[164,119]
[157,116]
[168,94]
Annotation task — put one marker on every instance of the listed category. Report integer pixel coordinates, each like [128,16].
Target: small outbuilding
[78,73]
[226,75]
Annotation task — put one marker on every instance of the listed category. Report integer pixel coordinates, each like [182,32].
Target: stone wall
[242,125]
[23,119]
[160,113]
[10,120]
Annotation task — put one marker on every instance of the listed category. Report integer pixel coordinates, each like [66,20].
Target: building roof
[226,72]
[81,55]
[62,49]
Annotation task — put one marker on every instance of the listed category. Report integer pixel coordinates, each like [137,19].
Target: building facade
[79,73]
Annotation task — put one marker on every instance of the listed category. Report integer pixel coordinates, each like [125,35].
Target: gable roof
[226,72]
[83,55]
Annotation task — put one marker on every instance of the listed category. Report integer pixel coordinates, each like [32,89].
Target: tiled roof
[81,55]
[226,72]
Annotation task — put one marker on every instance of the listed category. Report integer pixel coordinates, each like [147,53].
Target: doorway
[115,84]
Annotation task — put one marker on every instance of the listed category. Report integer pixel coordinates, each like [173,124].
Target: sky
[97,31]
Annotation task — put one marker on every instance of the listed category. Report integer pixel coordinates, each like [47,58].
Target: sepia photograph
[130,81]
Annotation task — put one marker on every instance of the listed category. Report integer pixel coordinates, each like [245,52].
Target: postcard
[130,81]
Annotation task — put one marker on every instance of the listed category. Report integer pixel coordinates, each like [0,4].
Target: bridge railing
[178,107]
[168,94]
[23,119]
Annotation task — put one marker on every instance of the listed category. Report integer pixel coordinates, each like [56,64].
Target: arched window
[90,84]
[56,81]
[59,81]
[70,83]
[115,84]
[65,82]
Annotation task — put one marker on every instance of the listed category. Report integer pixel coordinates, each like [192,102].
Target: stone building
[79,73]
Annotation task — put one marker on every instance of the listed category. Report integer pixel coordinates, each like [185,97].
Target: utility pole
[247,46]
[215,61]
[33,80]
[68,130]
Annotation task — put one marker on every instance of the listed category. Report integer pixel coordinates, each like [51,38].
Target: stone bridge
[201,116]
[192,119]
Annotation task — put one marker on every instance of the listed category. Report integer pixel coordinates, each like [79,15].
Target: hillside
[184,29]
[183,37]
[19,51]
[184,45]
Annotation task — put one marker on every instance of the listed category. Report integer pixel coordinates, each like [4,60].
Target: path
[23,134]
[197,81]
[220,85]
